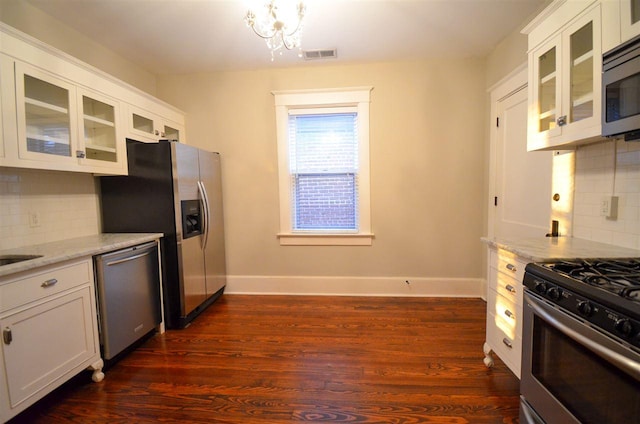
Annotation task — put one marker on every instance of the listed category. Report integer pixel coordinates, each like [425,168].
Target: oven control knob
[624,327]
[554,293]
[540,287]
[585,308]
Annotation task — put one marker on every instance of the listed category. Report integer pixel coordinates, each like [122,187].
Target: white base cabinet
[49,332]
[504,309]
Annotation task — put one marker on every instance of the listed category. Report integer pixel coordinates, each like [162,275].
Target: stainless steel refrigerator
[174,189]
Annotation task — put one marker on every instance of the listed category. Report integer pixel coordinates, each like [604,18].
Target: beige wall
[26,18]
[508,55]
[427,164]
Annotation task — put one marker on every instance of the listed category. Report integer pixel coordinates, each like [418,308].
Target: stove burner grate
[621,277]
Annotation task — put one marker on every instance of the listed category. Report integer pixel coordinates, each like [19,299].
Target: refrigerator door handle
[205,223]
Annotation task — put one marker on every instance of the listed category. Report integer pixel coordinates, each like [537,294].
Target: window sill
[297,239]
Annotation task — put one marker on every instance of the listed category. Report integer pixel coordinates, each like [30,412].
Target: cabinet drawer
[41,284]
[505,285]
[507,314]
[507,263]
[508,349]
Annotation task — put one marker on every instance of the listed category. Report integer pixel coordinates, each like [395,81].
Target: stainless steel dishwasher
[128,283]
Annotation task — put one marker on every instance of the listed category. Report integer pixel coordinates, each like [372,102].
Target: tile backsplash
[602,170]
[42,206]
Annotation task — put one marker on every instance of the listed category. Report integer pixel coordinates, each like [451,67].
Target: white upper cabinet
[2,154]
[629,19]
[66,127]
[102,138]
[61,114]
[147,126]
[46,116]
[565,68]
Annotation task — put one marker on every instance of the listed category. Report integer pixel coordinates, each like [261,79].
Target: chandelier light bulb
[279,28]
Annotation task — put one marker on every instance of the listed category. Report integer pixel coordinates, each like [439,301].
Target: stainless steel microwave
[621,91]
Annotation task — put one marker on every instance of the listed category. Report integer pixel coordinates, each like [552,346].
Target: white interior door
[522,180]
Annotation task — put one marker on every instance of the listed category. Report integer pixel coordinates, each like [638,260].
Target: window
[323,159]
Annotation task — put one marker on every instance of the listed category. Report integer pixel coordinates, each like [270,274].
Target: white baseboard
[355,286]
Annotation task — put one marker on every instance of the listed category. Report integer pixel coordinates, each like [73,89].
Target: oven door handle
[630,367]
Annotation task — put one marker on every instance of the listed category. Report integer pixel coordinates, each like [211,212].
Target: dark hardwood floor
[283,359]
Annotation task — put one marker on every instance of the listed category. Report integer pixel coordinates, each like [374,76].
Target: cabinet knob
[508,313]
[562,120]
[507,343]
[512,267]
[7,337]
[156,132]
[80,154]
[510,288]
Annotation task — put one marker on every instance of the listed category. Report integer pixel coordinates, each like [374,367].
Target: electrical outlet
[613,208]
[605,207]
[34,219]
[609,207]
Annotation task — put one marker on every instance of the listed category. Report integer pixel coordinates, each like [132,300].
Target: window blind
[323,153]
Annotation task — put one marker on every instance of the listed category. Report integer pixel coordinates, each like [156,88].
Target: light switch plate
[609,207]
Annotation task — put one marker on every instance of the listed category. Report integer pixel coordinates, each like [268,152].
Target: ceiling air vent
[320,54]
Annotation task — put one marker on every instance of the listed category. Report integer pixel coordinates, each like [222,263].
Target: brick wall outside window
[325,201]
[324,163]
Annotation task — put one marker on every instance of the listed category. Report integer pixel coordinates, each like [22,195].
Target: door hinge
[495,201]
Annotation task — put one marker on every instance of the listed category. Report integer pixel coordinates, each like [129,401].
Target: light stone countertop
[59,251]
[545,249]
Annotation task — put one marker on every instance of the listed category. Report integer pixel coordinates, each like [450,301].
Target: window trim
[302,101]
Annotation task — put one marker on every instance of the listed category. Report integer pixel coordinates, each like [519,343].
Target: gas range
[603,292]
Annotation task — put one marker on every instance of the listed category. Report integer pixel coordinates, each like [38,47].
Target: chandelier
[279,28]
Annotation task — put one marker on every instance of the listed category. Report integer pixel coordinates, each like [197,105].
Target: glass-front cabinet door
[545,99]
[143,125]
[46,116]
[583,77]
[548,93]
[566,81]
[629,19]
[102,142]
[581,73]
[172,132]
[148,127]
[2,154]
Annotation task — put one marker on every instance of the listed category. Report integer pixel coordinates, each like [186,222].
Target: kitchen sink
[12,259]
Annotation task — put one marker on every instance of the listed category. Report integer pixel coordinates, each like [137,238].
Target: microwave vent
[320,54]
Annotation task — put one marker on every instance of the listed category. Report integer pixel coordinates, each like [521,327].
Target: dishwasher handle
[128,258]
[126,254]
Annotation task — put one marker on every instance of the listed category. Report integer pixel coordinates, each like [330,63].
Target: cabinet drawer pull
[7,337]
[508,313]
[507,343]
[49,283]
[511,267]
[510,288]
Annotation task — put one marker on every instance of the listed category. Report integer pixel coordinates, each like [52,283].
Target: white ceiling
[187,36]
